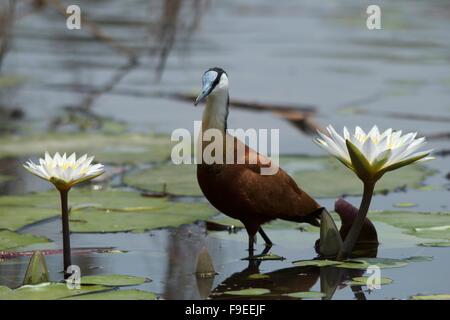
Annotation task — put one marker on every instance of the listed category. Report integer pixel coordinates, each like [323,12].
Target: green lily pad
[153,213]
[170,178]
[306,295]
[405,204]
[364,263]
[102,211]
[45,291]
[248,292]
[11,80]
[5,178]
[167,215]
[111,126]
[418,259]
[432,297]
[275,224]
[268,256]
[438,232]
[430,225]
[11,240]
[316,263]
[113,280]
[362,281]
[318,176]
[429,188]
[131,294]
[258,276]
[107,148]
[435,244]
[14,218]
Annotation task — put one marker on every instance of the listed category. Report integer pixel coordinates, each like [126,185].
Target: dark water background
[315,53]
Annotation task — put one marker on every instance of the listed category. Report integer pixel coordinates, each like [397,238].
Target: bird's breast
[215,181]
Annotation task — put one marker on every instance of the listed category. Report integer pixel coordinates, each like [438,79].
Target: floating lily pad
[11,80]
[111,126]
[318,176]
[227,221]
[405,204]
[306,295]
[167,215]
[435,244]
[362,281]
[432,297]
[170,178]
[364,263]
[5,178]
[156,213]
[441,232]
[11,240]
[418,259]
[14,218]
[248,292]
[131,294]
[102,211]
[275,224]
[429,188]
[434,225]
[268,256]
[113,280]
[258,276]
[107,148]
[316,263]
[45,291]
[350,110]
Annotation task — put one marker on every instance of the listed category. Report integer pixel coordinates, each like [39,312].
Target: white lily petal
[65,171]
[72,158]
[359,134]
[426,159]
[396,154]
[417,154]
[374,134]
[340,142]
[334,146]
[383,150]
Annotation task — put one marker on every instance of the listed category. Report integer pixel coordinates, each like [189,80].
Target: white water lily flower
[65,172]
[372,154]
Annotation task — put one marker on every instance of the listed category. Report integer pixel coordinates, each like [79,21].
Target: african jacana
[239,190]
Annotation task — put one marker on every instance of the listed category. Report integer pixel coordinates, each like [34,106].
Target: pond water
[308,53]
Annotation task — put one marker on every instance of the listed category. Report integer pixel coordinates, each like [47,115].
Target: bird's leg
[266,250]
[268,242]
[251,243]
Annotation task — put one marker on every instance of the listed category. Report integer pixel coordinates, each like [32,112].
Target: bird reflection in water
[288,280]
[300,279]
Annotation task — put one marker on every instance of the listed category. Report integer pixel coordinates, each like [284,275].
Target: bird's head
[215,81]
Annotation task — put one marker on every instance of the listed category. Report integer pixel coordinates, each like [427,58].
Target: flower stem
[357,225]
[65,230]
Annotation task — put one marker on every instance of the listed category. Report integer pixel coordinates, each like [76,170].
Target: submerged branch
[300,116]
[6,22]
[95,31]
[121,72]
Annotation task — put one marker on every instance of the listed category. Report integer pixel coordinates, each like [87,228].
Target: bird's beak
[206,90]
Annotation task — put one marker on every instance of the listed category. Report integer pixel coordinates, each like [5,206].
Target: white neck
[216,111]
